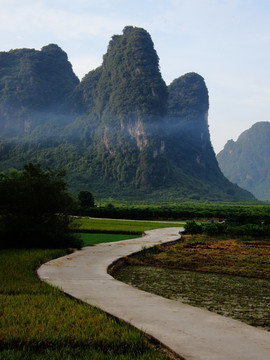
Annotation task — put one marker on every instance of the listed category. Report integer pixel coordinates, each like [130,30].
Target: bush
[214,229]
[234,230]
[192,227]
[35,208]
[86,199]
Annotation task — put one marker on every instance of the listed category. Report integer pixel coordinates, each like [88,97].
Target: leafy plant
[191,227]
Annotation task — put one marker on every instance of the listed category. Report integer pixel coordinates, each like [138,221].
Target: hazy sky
[225,41]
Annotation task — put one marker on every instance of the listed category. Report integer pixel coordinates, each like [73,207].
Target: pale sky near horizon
[227,42]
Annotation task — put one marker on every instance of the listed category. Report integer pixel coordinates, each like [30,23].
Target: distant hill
[120,132]
[246,161]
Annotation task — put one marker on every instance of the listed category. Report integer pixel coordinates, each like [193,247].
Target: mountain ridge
[124,134]
[246,160]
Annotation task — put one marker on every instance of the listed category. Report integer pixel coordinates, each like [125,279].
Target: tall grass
[39,322]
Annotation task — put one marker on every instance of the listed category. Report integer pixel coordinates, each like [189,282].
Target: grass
[230,277]
[96,231]
[86,224]
[39,322]
[92,238]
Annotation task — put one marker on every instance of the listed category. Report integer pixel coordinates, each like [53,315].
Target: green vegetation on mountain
[35,86]
[188,97]
[246,161]
[190,145]
[128,98]
[121,133]
[129,81]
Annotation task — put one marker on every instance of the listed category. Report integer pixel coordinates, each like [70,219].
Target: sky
[227,42]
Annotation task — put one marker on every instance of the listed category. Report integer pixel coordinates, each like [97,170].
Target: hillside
[121,132]
[246,161]
[35,86]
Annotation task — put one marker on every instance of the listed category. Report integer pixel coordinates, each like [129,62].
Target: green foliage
[33,86]
[191,227]
[86,199]
[188,106]
[214,229]
[254,229]
[35,208]
[129,97]
[232,213]
[129,82]
[188,97]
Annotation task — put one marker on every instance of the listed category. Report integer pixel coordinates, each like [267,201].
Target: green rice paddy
[86,224]
[38,322]
[92,238]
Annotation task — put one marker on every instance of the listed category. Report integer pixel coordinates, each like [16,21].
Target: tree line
[36,209]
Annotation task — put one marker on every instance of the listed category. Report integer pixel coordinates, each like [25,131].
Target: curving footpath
[193,333]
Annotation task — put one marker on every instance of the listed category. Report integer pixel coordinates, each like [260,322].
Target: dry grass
[230,277]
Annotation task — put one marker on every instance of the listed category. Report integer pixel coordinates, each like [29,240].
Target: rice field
[39,322]
[86,224]
[90,239]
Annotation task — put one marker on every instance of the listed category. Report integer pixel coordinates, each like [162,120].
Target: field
[92,238]
[227,276]
[85,224]
[39,322]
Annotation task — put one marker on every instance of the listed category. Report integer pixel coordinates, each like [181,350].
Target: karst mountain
[246,161]
[120,132]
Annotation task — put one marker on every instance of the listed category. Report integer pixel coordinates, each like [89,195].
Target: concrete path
[193,333]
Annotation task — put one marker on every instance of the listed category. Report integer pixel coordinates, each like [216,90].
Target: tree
[86,198]
[34,209]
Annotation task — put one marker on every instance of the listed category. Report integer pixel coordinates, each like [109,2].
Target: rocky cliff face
[150,137]
[129,97]
[129,136]
[246,161]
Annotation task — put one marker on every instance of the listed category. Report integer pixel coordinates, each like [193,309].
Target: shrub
[192,227]
[214,229]
[35,208]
